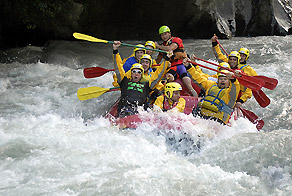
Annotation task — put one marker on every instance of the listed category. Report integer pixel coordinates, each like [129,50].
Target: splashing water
[53,144]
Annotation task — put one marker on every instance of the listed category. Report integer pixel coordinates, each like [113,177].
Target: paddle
[259,95]
[261,98]
[252,117]
[269,83]
[92,72]
[93,92]
[222,48]
[247,81]
[93,39]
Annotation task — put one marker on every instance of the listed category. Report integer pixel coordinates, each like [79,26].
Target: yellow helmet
[223,64]
[234,54]
[150,43]
[137,66]
[164,29]
[139,48]
[146,56]
[244,51]
[221,74]
[170,87]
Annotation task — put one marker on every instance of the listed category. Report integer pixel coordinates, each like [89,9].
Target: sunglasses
[137,71]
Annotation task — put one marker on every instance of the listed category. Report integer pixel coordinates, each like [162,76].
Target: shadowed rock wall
[25,22]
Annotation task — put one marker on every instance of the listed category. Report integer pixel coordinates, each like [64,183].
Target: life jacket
[179,53]
[242,67]
[166,105]
[213,102]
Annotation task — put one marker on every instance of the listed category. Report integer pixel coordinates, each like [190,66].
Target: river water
[53,144]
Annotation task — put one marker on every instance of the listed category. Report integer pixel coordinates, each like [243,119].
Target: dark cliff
[25,22]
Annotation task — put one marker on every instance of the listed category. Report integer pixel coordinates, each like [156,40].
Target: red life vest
[166,105]
[179,53]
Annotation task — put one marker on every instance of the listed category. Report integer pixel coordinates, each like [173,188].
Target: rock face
[34,22]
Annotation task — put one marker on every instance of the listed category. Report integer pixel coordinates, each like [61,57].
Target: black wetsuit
[133,95]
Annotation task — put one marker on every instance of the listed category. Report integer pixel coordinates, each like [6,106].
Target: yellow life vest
[213,100]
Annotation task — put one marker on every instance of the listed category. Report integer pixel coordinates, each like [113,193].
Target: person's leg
[182,72]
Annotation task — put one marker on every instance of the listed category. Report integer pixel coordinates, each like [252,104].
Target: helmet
[221,74]
[244,51]
[235,54]
[223,64]
[170,87]
[139,48]
[146,56]
[164,29]
[150,43]
[137,66]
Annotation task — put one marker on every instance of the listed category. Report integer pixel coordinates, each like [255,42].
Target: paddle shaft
[125,44]
[215,64]
[245,80]
[93,39]
[270,83]
[93,72]
[222,48]
[259,95]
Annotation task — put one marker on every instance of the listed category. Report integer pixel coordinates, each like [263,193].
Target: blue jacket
[129,62]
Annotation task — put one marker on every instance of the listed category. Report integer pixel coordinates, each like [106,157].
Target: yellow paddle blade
[90,92]
[88,38]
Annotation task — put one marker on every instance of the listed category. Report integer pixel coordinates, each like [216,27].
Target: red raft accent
[134,120]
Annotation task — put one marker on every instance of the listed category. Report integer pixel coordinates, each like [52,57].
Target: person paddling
[170,100]
[175,45]
[246,93]
[134,92]
[220,99]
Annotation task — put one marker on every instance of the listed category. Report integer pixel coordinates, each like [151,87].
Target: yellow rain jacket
[218,103]
[154,79]
[170,105]
[246,93]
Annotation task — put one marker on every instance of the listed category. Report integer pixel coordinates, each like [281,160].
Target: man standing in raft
[175,45]
[134,93]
